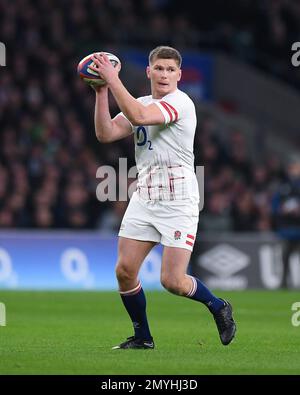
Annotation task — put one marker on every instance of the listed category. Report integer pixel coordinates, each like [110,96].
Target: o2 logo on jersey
[142,138]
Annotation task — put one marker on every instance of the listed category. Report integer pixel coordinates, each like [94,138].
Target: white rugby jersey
[164,153]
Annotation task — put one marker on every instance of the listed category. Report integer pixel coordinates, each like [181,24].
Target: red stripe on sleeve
[189,243]
[167,109]
[173,109]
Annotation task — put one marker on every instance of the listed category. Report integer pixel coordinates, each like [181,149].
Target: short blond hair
[165,52]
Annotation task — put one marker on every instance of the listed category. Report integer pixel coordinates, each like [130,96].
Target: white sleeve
[169,112]
[173,108]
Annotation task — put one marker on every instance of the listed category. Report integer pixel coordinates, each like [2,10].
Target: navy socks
[134,301]
[202,294]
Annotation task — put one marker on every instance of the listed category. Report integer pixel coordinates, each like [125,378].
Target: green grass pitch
[73,332]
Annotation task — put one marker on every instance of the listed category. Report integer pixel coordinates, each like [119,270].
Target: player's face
[164,75]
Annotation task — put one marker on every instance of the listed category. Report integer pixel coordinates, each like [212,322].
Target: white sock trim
[132,291]
[193,288]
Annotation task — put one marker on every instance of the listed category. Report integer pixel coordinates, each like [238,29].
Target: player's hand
[104,68]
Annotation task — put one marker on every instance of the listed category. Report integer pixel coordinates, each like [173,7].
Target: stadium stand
[48,152]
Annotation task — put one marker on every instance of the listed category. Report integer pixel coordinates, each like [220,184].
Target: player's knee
[124,273]
[173,285]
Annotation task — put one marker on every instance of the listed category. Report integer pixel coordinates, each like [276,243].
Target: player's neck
[160,95]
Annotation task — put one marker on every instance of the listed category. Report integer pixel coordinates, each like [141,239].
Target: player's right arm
[108,130]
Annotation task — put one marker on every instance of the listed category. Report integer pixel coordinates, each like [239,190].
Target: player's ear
[179,76]
[148,72]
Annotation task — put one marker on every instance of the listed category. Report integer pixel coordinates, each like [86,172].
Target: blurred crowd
[49,154]
[238,189]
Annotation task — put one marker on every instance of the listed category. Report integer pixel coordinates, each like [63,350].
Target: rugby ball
[90,76]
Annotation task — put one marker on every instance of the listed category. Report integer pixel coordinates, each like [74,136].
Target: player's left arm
[135,112]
